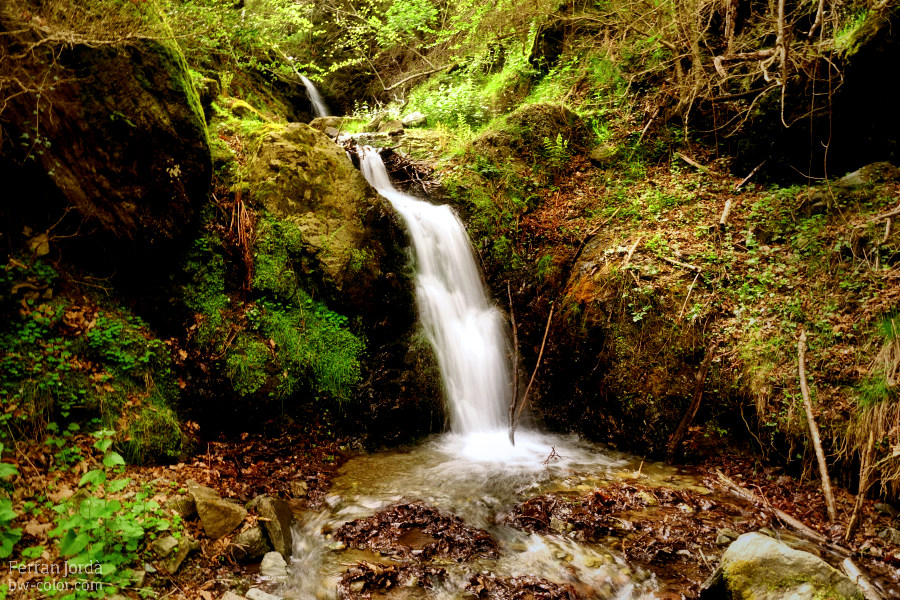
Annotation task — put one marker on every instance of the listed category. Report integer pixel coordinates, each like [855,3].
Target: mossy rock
[757,567]
[121,137]
[345,243]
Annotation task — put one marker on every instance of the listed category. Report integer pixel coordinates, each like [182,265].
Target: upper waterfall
[319,107]
[466,331]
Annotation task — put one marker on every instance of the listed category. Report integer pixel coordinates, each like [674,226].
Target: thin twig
[515,423]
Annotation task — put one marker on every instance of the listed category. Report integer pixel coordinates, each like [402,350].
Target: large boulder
[757,567]
[349,250]
[120,137]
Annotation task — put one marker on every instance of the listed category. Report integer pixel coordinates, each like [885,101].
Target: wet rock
[886,509]
[250,545]
[875,173]
[258,594]
[299,489]
[184,505]
[890,535]
[414,119]
[219,517]
[647,498]
[274,566]
[301,176]
[276,517]
[357,586]
[756,566]
[725,536]
[137,578]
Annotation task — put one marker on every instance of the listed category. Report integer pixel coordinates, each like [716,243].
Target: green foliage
[278,244]
[8,535]
[104,532]
[556,152]
[247,364]
[70,362]
[314,346]
[204,293]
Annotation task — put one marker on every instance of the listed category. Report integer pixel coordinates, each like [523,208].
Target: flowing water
[473,471]
[319,107]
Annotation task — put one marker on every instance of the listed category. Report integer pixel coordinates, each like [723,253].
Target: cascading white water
[466,331]
[319,107]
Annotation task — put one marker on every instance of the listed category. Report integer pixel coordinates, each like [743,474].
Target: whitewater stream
[473,471]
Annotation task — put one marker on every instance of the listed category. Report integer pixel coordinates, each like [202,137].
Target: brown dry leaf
[37,529]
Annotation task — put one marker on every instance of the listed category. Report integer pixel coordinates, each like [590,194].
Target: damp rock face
[349,240]
[121,139]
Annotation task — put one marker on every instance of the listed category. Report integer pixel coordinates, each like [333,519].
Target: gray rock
[393,127]
[229,595]
[138,578]
[276,517]
[184,505]
[357,586]
[373,125]
[173,562]
[603,155]
[886,509]
[219,517]
[871,174]
[324,123]
[414,119]
[890,535]
[164,546]
[725,536]
[250,545]
[274,566]
[258,594]
[757,567]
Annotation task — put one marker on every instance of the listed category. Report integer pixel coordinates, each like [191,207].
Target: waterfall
[468,334]
[319,107]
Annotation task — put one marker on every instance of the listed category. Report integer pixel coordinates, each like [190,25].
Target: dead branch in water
[694,405]
[814,429]
[515,422]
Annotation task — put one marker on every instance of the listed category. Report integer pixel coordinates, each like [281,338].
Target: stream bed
[481,479]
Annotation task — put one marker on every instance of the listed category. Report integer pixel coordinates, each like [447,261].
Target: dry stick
[726,212]
[864,472]
[422,74]
[857,577]
[695,403]
[695,164]
[814,429]
[631,251]
[787,519]
[747,178]
[515,423]
[515,394]
[686,298]
[681,264]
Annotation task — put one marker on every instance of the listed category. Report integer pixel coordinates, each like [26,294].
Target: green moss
[205,291]
[278,246]
[247,364]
